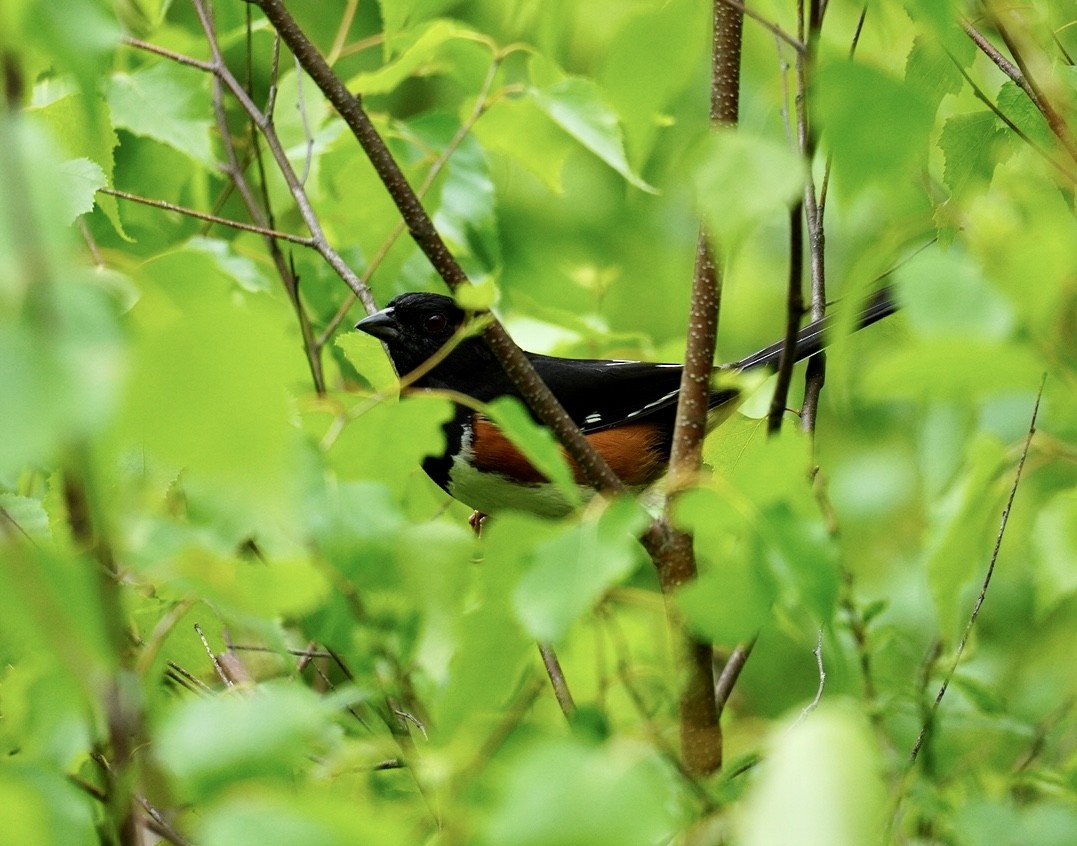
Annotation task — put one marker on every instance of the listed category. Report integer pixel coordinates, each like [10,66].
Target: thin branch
[727,680]
[818,653]
[1054,120]
[557,679]
[211,218]
[179,58]
[809,32]
[778,32]
[930,719]
[794,313]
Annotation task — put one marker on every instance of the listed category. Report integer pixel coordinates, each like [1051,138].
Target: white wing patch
[592,418]
[662,400]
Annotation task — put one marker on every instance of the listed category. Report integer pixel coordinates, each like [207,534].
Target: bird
[626,409]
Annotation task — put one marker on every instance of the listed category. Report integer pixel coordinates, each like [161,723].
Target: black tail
[812,338]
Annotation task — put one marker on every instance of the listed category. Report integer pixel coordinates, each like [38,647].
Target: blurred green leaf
[43,808]
[422,56]
[617,794]
[883,145]
[571,570]
[743,180]
[1054,545]
[959,540]
[208,744]
[805,793]
[972,146]
[517,128]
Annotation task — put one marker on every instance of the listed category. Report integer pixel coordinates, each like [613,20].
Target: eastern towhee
[626,409]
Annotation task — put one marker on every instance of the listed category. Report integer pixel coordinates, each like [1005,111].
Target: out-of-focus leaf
[401,14]
[210,743]
[572,570]
[818,786]
[1054,544]
[268,816]
[165,102]
[44,808]
[421,57]
[959,542]
[743,180]
[878,146]
[613,795]
[943,294]
[647,64]
[208,394]
[517,128]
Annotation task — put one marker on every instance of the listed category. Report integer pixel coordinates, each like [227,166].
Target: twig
[557,679]
[929,721]
[816,372]
[211,218]
[818,653]
[213,656]
[1054,120]
[723,688]
[778,32]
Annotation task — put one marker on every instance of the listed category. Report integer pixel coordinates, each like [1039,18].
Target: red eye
[435,323]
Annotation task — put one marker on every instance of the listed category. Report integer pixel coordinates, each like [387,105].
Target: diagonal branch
[929,721]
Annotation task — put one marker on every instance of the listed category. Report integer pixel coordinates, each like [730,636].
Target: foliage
[166,462]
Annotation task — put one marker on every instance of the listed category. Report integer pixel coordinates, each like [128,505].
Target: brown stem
[727,680]
[557,679]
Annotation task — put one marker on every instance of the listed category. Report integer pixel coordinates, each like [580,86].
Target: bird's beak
[382,325]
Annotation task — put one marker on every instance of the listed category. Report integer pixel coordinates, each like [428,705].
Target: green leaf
[1054,546]
[536,442]
[1013,102]
[809,793]
[744,180]
[423,56]
[932,70]
[648,63]
[972,145]
[285,816]
[573,569]
[81,179]
[80,137]
[518,129]
[945,295]
[401,14]
[166,102]
[215,364]
[576,105]
[209,743]
[26,515]
[959,540]
[883,145]
[44,808]
[613,795]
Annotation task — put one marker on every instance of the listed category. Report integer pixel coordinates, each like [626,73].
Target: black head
[415,326]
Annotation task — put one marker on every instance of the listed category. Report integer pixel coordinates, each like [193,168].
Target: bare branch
[978,604]
[557,679]
[211,218]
